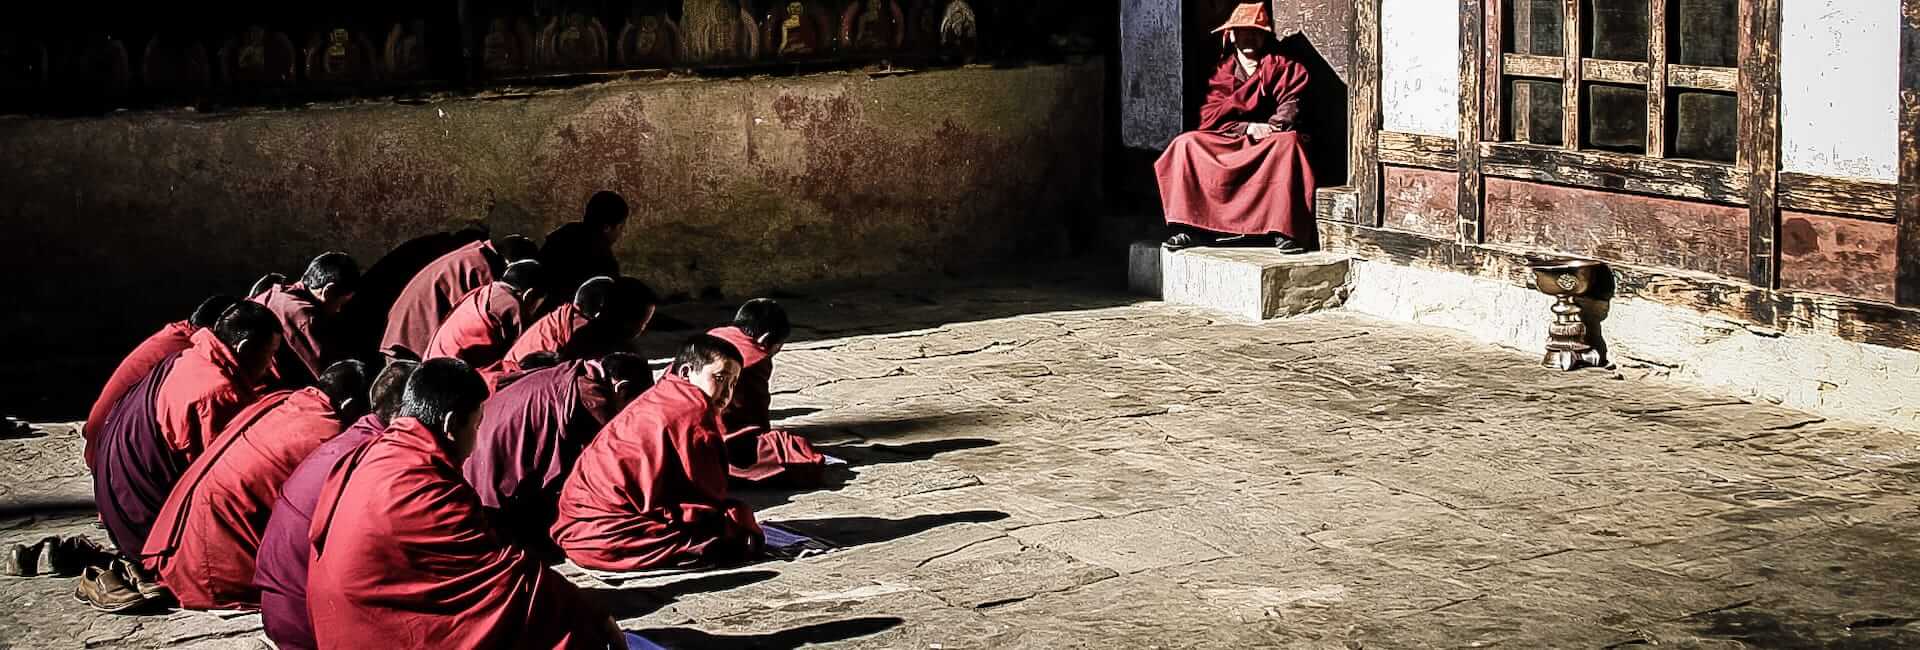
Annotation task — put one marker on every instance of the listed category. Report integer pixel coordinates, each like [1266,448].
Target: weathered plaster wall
[1326,25]
[1839,87]
[739,185]
[1420,66]
[1151,94]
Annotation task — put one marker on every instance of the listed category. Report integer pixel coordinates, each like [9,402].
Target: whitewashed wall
[1839,87]
[1150,66]
[1420,66]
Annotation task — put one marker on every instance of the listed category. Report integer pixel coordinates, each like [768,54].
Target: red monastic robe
[427,299]
[757,451]
[480,329]
[172,338]
[1220,180]
[650,491]
[548,334]
[202,394]
[204,541]
[403,557]
[530,436]
[364,320]
[307,347]
[280,570]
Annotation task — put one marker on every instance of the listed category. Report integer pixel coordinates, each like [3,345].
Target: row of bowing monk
[412,480]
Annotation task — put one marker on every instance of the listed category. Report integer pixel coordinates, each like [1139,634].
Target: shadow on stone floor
[688,638]
[857,456]
[634,602]
[846,532]
[31,506]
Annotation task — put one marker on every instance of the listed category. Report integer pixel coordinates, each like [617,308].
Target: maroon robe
[427,299]
[364,320]
[308,346]
[170,340]
[650,491]
[280,570]
[403,557]
[548,334]
[755,450]
[573,253]
[135,469]
[480,329]
[531,433]
[1221,180]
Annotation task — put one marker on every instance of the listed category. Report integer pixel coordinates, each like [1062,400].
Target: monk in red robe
[1244,173]
[755,450]
[427,299]
[583,249]
[606,314]
[280,570]
[161,426]
[172,338]
[365,319]
[651,490]
[534,429]
[206,536]
[403,556]
[309,311]
[485,323]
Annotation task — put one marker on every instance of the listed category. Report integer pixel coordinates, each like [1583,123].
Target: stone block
[1251,283]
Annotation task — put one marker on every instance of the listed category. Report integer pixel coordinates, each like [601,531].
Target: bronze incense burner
[1566,280]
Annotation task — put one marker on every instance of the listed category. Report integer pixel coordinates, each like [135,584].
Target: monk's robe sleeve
[191,428]
[1289,84]
[307,338]
[1218,114]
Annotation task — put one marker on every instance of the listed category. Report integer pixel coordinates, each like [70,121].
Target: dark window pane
[1706,32]
[1616,118]
[1533,27]
[1533,111]
[1705,125]
[1616,29]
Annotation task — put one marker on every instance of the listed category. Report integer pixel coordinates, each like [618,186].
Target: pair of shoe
[52,556]
[12,427]
[1286,245]
[118,588]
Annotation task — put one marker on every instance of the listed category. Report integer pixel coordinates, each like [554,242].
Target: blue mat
[785,544]
[637,642]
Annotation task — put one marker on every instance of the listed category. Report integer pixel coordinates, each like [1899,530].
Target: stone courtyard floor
[1036,467]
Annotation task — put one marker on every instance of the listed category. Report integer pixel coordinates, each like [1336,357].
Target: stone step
[1251,283]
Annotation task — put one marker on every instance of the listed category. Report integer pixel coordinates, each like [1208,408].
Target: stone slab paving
[1045,468]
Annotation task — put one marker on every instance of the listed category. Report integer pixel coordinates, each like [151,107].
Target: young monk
[757,451]
[403,556]
[650,491]
[308,311]
[161,425]
[604,317]
[487,320]
[534,429]
[280,570]
[365,319]
[172,338]
[427,299]
[584,248]
[204,541]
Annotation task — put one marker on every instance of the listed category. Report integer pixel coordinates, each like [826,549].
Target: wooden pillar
[1907,284]
[1657,78]
[1364,124]
[1473,49]
[1570,91]
[1759,154]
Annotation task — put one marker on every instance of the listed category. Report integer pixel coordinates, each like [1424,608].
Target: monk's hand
[1259,131]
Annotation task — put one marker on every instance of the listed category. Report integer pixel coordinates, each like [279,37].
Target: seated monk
[365,319]
[161,425]
[485,323]
[605,316]
[172,338]
[534,429]
[308,311]
[651,490]
[1244,173]
[583,249]
[431,295]
[755,450]
[280,570]
[205,538]
[403,555]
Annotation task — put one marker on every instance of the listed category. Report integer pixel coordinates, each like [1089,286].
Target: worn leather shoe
[105,591]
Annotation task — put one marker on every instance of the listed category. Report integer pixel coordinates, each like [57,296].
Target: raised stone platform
[1251,283]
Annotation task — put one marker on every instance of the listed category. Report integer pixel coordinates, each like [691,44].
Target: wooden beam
[1614,72]
[1786,312]
[1473,46]
[1534,65]
[1657,78]
[1418,150]
[1492,112]
[1364,122]
[1522,93]
[1572,71]
[1759,103]
[1906,288]
[1842,196]
[1702,77]
[1664,177]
